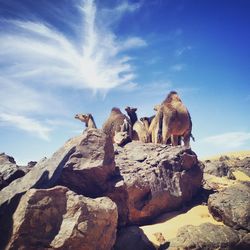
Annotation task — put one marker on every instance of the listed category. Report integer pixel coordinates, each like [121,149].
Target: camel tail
[191,135]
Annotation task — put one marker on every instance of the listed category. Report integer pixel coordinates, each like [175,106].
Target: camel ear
[134,109]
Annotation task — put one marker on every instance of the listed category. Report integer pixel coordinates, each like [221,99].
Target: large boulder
[90,166]
[58,218]
[205,236]
[9,170]
[132,238]
[84,164]
[232,206]
[152,179]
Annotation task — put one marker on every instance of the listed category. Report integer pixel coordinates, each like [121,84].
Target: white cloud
[181,51]
[35,56]
[27,124]
[228,140]
[19,98]
[41,52]
[178,67]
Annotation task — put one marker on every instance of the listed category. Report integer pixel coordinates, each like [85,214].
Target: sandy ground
[240,176]
[169,223]
[240,154]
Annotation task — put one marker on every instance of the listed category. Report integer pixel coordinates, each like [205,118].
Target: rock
[90,166]
[85,159]
[152,179]
[225,165]
[132,238]
[57,218]
[232,206]
[83,164]
[242,165]
[121,138]
[245,242]
[9,170]
[219,168]
[205,236]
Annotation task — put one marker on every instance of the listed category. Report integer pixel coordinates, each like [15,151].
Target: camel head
[130,110]
[144,119]
[172,96]
[157,107]
[83,117]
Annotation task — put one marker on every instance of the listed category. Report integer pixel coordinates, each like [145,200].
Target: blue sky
[62,57]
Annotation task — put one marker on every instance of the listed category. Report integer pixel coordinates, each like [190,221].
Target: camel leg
[186,139]
[165,134]
[174,140]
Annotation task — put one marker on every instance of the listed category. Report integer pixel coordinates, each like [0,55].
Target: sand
[169,223]
[239,154]
[240,176]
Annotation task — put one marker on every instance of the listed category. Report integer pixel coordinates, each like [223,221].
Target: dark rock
[9,170]
[90,166]
[225,165]
[205,236]
[88,160]
[57,218]
[232,206]
[132,238]
[152,179]
[218,168]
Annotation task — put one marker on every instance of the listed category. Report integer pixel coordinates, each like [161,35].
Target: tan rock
[57,218]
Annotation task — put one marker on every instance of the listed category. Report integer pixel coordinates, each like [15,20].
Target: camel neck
[91,123]
[133,118]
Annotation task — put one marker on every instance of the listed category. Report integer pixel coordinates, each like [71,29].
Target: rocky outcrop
[132,238]
[205,236]
[232,206]
[218,168]
[151,179]
[90,165]
[143,180]
[9,170]
[87,161]
[80,164]
[57,218]
[225,166]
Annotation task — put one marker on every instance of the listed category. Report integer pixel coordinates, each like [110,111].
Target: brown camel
[117,122]
[87,119]
[140,132]
[172,120]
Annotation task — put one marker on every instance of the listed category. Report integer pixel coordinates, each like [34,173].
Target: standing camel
[117,122]
[140,132]
[172,120]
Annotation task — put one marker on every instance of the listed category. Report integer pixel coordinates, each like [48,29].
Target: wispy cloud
[181,51]
[228,140]
[178,67]
[27,124]
[36,56]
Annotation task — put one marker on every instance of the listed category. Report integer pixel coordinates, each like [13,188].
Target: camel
[87,119]
[172,120]
[117,122]
[153,125]
[147,122]
[139,132]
